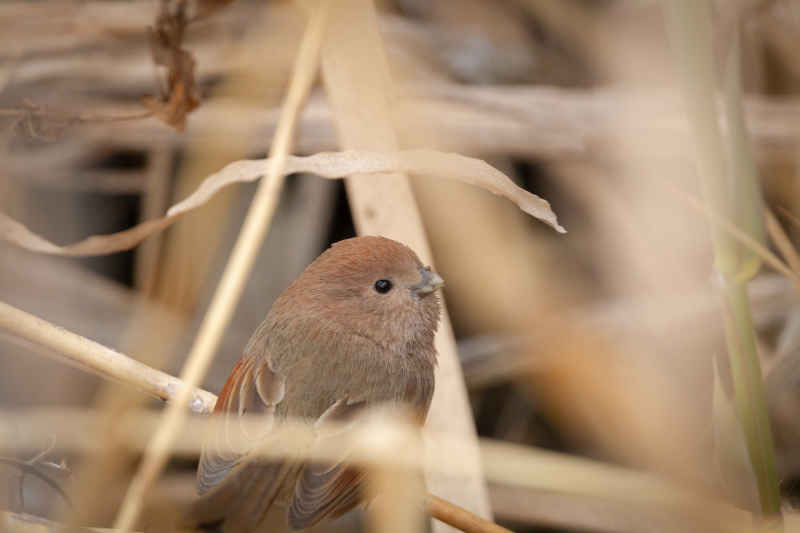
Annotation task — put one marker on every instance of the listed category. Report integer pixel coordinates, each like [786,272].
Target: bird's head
[374,287]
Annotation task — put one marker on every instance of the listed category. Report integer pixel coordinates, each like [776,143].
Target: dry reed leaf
[16,233]
[332,165]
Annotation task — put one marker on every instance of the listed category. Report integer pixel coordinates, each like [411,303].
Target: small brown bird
[354,330]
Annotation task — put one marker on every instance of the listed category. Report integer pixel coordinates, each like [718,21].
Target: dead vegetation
[639,372]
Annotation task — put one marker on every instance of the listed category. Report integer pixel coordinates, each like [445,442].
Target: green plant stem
[692,38]
[729,186]
[751,408]
[745,197]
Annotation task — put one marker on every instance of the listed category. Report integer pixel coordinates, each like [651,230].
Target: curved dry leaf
[16,233]
[331,165]
[334,165]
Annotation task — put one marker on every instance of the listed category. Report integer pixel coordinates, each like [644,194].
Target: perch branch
[89,355]
[459,518]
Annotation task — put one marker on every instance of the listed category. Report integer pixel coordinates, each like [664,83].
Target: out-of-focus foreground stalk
[729,183]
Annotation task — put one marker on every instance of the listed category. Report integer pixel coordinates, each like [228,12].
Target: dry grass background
[593,365]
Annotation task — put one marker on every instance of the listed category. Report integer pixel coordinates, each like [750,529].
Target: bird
[355,330]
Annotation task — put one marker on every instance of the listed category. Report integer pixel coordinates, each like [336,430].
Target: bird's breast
[356,371]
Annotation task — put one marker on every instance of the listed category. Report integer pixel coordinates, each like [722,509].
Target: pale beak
[430,282]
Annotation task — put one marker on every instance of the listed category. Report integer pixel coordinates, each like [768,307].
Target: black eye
[383,286]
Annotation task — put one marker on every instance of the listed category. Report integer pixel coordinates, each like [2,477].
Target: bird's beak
[430,282]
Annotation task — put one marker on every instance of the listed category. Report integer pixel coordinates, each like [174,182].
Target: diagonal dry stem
[235,275]
[782,241]
[89,355]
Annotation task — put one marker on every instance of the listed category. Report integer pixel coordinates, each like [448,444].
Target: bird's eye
[383,286]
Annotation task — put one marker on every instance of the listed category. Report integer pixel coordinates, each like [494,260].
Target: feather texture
[331,346]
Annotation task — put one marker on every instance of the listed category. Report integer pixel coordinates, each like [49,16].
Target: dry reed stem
[461,518]
[359,88]
[782,241]
[184,268]
[39,427]
[69,117]
[788,214]
[742,237]
[89,355]
[446,456]
[542,122]
[235,275]
[86,354]
[505,463]
[396,495]
[154,202]
[728,177]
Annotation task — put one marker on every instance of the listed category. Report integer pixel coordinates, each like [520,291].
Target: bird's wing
[251,388]
[240,488]
[327,490]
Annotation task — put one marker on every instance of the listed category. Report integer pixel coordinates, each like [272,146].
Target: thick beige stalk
[360,91]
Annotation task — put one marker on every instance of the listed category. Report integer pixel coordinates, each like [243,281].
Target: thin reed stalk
[731,189]
[236,272]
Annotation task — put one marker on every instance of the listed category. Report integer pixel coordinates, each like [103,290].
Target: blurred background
[600,343]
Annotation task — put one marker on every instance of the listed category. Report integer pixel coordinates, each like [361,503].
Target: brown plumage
[355,329]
